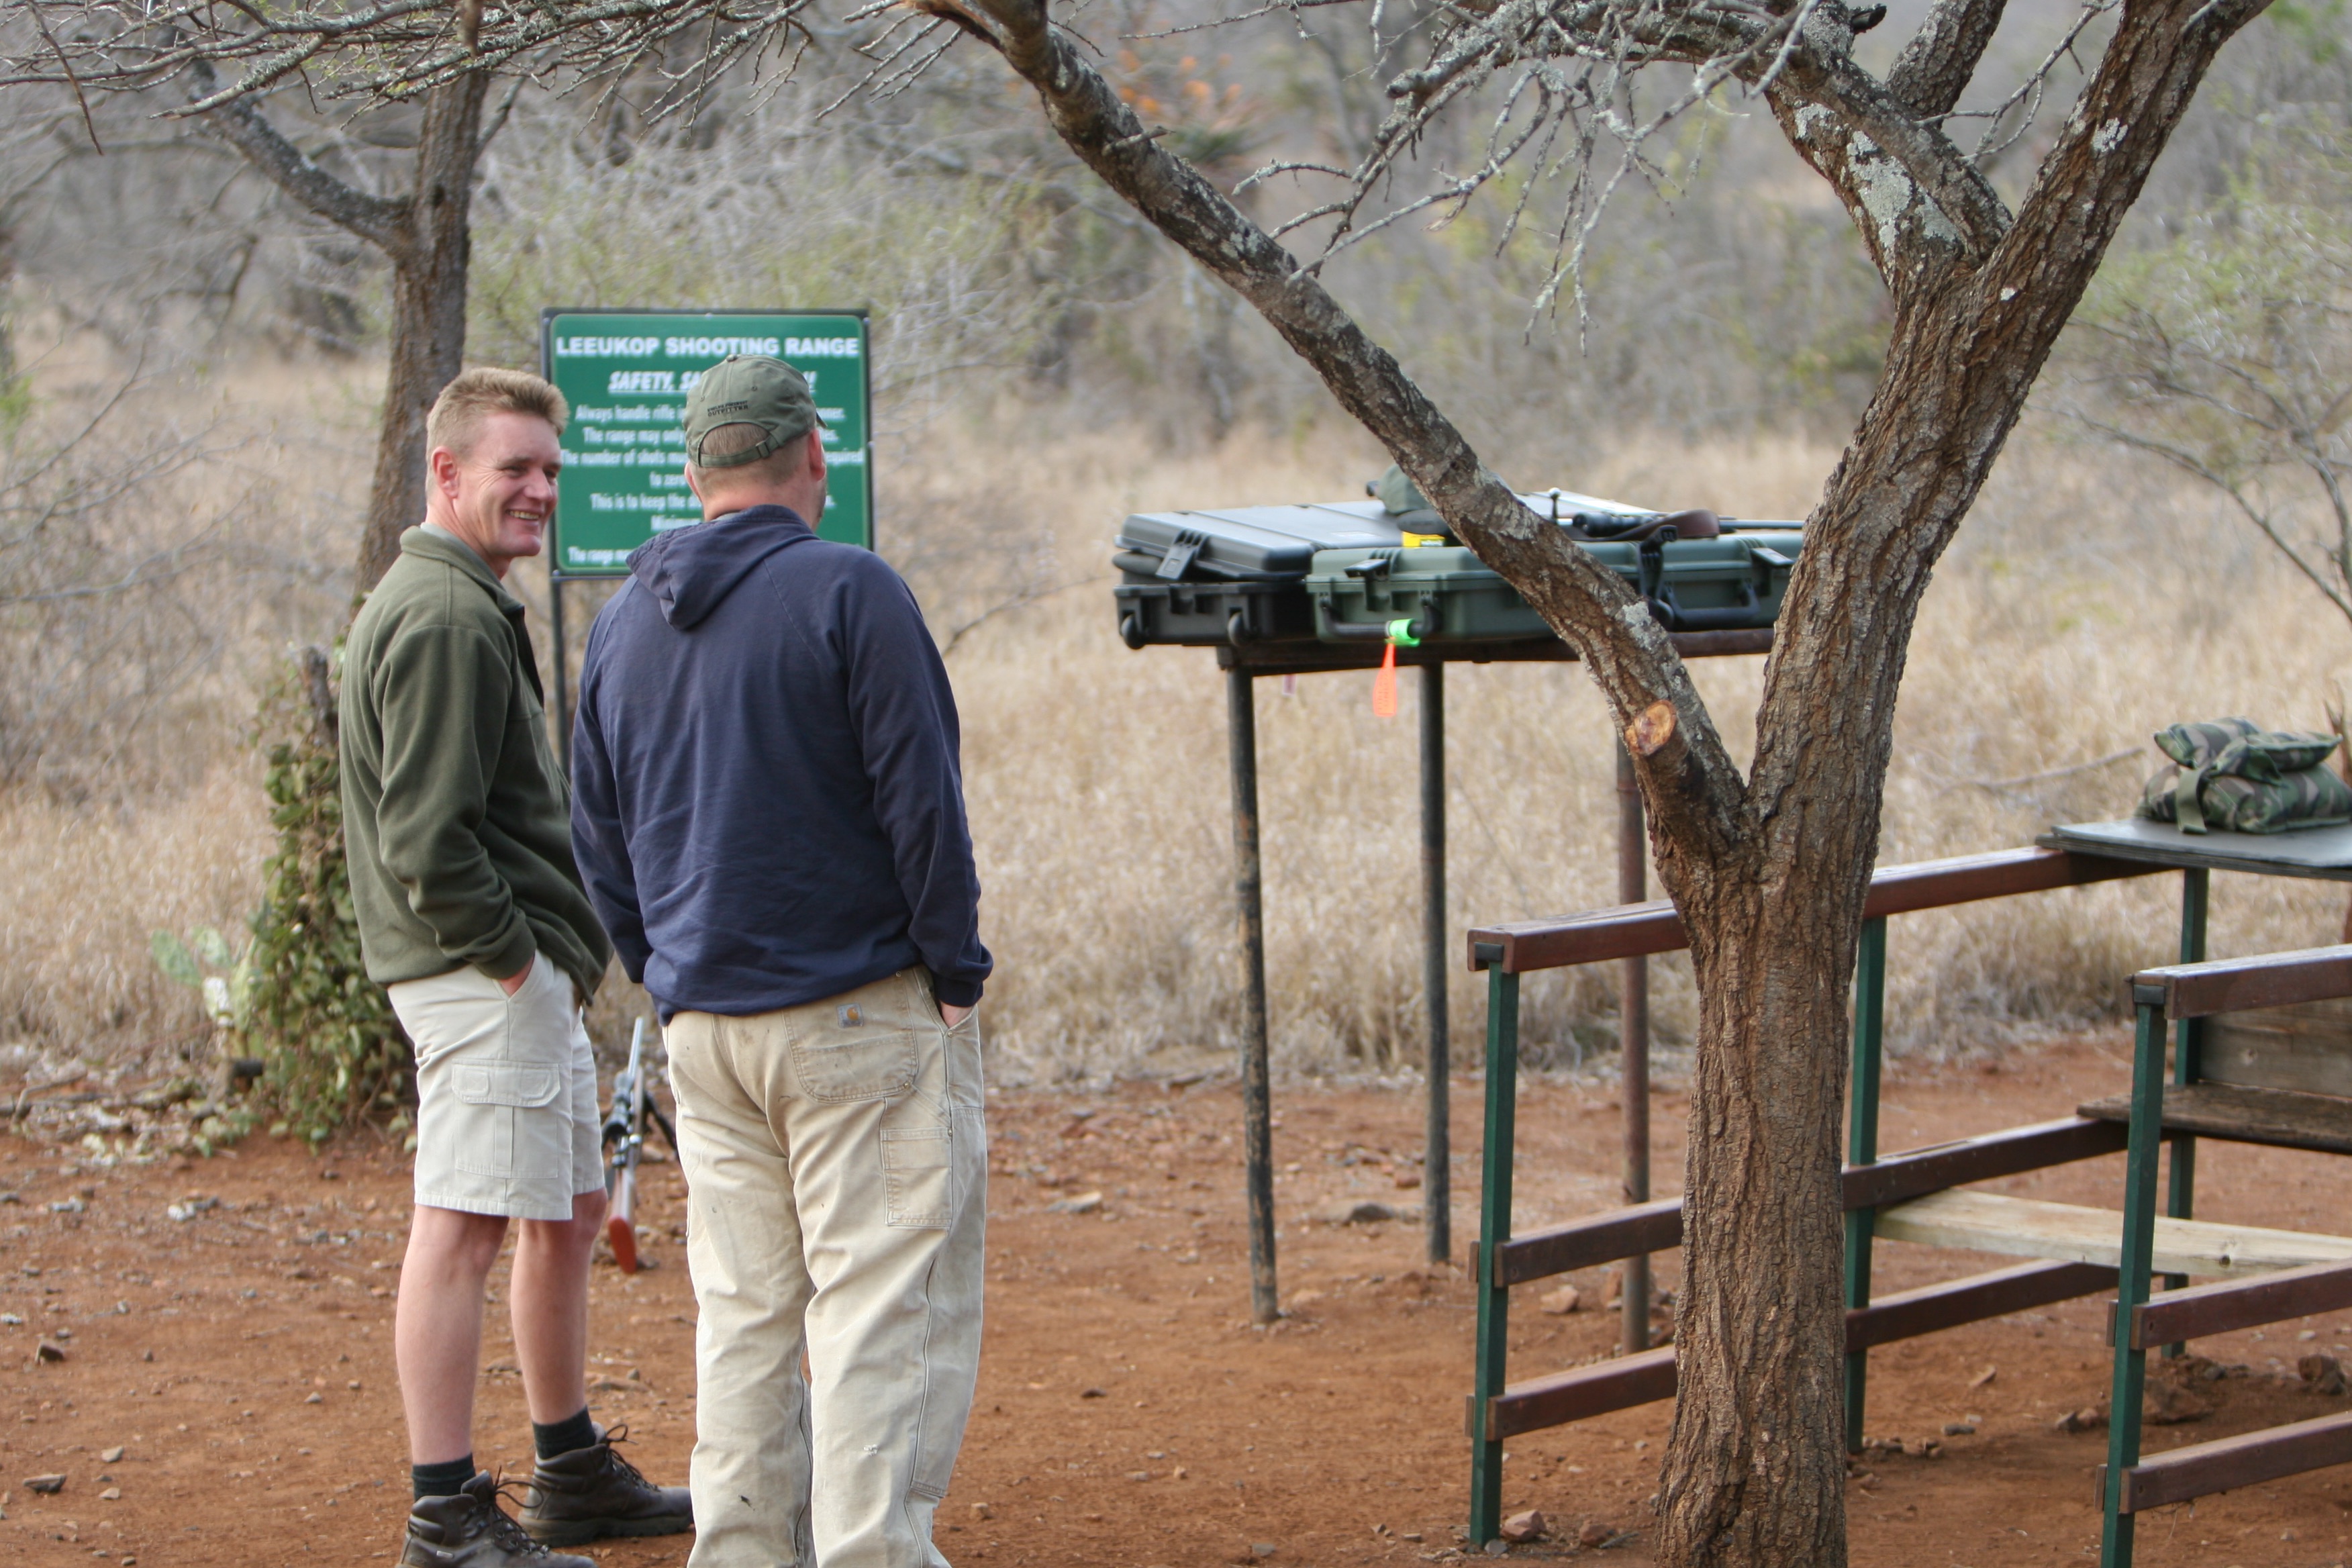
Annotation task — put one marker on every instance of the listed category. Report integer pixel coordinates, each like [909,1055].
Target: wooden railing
[1499,1409]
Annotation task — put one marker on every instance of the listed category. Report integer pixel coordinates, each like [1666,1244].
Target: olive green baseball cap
[749,389]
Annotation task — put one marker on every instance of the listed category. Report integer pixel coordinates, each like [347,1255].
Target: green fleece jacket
[457,819]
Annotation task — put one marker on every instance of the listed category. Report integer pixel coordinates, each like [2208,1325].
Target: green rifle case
[1211,615]
[1448,595]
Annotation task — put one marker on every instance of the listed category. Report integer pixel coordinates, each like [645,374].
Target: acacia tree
[1768,869]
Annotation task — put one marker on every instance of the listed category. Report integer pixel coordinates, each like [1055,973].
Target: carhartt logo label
[851,1018]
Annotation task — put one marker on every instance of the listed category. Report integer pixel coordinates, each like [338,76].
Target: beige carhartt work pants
[836,1158]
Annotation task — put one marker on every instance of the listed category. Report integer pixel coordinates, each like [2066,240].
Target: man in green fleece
[471,914]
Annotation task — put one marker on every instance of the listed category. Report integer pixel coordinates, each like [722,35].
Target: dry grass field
[2089,601]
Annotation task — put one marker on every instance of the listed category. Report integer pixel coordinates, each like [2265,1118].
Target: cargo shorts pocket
[506,1110]
[916,1169]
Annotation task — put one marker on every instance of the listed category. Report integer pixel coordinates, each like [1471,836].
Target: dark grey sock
[563,1436]
[447,1478]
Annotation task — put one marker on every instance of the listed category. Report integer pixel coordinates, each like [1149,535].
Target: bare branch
[381,222]
[2030,92]
[81,99]
[2263,518]
[391,49]
[2091,177]
[1935,67]
[1850,128]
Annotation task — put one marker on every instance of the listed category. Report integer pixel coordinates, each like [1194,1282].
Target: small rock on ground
[1524,1527]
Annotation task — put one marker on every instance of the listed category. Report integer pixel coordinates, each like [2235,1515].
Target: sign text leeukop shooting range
[626,374]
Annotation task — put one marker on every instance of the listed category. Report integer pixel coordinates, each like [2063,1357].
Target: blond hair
[457,414]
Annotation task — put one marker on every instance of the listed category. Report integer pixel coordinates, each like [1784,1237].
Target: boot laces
[620,1434]
[501,1527]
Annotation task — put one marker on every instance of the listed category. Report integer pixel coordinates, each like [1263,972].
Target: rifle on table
[625,1139]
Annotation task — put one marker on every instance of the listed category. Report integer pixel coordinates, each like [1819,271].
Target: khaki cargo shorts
[507,1120]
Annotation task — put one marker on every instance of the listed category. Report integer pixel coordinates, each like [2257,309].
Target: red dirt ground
[1128,1413]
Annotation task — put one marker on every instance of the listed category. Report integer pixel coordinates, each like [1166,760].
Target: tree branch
[1907,187]
[391,49]
[1699,793]
[2150,69]
[2191,463]
[382,223]
[1935,67]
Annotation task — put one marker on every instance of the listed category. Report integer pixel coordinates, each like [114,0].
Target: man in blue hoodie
[768,808]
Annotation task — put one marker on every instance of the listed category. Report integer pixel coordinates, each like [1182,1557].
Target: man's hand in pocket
[953,1015]
[513,983]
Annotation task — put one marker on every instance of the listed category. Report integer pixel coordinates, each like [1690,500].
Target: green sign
[626,374]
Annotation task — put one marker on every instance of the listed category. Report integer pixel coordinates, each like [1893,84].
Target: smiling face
[500,495]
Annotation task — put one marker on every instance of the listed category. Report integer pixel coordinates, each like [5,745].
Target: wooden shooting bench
[2297,1097]
[1914,1196]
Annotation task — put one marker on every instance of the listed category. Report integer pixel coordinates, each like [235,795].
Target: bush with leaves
[332,1052]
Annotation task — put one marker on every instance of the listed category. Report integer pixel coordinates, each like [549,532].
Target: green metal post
[2132,1274]
[1862,1148]
[2189,1037]
[1494,1229]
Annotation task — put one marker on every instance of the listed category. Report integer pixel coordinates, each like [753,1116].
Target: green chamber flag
[626,374]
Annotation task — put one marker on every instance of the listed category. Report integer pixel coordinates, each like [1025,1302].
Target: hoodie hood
[690,570]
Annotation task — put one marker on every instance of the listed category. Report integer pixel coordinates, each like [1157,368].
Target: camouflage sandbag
[2242,747]
[2235,775]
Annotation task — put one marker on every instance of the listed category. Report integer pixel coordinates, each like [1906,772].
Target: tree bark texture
[428,236]
[428,314]
[1767,870]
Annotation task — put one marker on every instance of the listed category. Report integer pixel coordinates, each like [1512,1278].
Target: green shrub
[332,1053]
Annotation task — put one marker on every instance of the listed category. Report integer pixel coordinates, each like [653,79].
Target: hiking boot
[593,1494]
[471,1531]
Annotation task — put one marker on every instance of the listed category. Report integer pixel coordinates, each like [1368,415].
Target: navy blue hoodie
[767,801]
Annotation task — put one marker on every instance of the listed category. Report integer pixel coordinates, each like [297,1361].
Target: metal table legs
[1257,1128]
[1437,1143]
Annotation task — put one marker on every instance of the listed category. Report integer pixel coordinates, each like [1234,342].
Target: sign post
[625,374]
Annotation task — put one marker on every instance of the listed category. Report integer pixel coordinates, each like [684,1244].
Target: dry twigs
[394,50]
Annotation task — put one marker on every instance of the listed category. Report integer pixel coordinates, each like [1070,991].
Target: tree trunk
[1747,1478]
[427,236]
[428,315]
